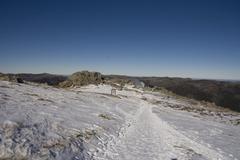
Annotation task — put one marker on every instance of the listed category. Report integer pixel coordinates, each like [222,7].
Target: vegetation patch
[5,87]
[235,122]
[109,95]
[32,94]
[87,134]
[82,78]
[105,116]
[190,152]
[46,100]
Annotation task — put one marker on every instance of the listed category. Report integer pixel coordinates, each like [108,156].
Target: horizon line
[127,75]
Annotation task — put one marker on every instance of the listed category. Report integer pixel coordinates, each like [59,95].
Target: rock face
[82,78]
[19,80]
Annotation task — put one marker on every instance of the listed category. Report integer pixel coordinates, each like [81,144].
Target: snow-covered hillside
[41,122]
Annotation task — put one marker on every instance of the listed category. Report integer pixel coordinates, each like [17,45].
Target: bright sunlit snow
[42,122]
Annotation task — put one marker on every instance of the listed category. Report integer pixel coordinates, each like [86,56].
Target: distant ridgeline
[49,79]
[222,93]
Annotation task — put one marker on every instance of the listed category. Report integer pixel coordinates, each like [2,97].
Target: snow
[42,122]
[149,137]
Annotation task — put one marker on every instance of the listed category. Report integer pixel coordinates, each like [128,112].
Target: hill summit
[82,78]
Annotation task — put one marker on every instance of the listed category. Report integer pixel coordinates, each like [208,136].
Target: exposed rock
[82,78]
[19,80]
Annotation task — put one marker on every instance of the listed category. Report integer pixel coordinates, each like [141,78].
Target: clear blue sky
[187,38]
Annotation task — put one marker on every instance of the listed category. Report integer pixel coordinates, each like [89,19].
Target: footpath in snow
[149,137]
[41,122]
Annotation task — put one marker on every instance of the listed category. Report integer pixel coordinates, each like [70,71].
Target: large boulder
[82,78]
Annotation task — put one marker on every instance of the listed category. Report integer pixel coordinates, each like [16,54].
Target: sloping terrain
[223,93]
[42,122]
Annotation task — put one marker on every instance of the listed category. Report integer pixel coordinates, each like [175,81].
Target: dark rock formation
[19,80]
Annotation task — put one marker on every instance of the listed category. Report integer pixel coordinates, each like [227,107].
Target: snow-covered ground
[41,122]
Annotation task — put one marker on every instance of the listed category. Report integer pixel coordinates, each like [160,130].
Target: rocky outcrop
[82,78]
